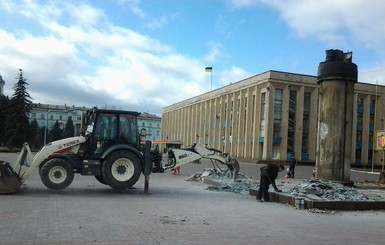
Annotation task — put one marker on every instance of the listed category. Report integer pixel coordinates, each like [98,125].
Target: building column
[365,131]
[313,125]
[269,123]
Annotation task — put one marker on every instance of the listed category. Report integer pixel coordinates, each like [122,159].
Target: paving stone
[176,211]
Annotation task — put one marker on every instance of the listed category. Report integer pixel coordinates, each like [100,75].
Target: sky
[143,55]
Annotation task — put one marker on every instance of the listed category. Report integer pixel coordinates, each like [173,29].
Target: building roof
[145,115]
[57,107]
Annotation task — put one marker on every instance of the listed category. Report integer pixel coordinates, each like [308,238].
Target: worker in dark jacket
[269,173]
[292,162]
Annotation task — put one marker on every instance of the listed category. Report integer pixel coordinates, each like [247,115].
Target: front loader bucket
[9,180]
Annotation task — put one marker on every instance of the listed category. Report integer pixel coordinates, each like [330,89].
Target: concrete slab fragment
[324,204]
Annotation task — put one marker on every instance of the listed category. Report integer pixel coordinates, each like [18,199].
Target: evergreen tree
[17,124]
[42,134]
[69,130]
[35,136]
[4,104]
[56,132]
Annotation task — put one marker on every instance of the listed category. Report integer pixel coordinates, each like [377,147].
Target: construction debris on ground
[313,189]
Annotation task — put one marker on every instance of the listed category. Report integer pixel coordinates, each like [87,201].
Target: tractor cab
[107,128]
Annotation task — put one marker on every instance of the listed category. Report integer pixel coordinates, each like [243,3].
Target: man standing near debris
[292,164]
[269,173]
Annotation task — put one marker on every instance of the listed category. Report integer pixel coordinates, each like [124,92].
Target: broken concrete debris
[311,189]
[223,182]
[326,190]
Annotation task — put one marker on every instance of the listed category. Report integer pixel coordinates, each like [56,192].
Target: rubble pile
[326,190]
[238,186]
[225,182]
[210,173]
[313,189]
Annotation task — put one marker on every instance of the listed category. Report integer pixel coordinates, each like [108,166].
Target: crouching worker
[269,173]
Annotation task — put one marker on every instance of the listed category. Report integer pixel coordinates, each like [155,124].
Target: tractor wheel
[121,169]
[100,179]
[57,174]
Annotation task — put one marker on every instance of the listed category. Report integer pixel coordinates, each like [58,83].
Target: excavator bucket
[9,180]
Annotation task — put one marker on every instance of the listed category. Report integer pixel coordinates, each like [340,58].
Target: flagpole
[211,81]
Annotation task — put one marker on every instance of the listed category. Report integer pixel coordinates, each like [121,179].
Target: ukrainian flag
[209,69]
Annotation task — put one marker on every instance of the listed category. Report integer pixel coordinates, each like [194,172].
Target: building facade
[149,126]
[273,115]
[46,115]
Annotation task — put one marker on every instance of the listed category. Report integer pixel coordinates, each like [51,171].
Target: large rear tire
[121,169]
[57,174]
[100,179]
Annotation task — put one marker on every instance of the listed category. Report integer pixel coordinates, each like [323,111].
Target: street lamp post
[46,125]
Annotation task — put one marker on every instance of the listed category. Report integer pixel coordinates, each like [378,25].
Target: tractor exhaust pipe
[10,182]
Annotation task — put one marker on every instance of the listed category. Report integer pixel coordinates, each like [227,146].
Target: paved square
[175,212]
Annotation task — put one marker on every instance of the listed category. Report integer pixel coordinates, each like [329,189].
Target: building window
[360,101]
[292,123]
[277,112]
[263,115]
[306,122]
[276,154]
[253,111]
[372,107]
[358,154]
[360,105]
[231,114]
[370,156]
[359,122]
[359,136]
[371,122]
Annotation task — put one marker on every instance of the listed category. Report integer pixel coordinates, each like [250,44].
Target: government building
[273,115]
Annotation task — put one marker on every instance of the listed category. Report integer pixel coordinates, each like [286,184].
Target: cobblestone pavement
[174,212]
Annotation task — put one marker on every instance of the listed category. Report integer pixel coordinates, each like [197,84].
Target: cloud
[162,21]
[333,22]
[133,6]
[234,74]
[373,74]
[346,24]
[215,52]
[85,15]
[350,24]
[244,3]
[78,57]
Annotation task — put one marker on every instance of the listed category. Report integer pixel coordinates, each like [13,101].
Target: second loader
[108,148]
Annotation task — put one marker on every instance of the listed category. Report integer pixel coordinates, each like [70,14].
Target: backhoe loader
[108,148]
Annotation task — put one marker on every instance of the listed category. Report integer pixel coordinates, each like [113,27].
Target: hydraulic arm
[180,157]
